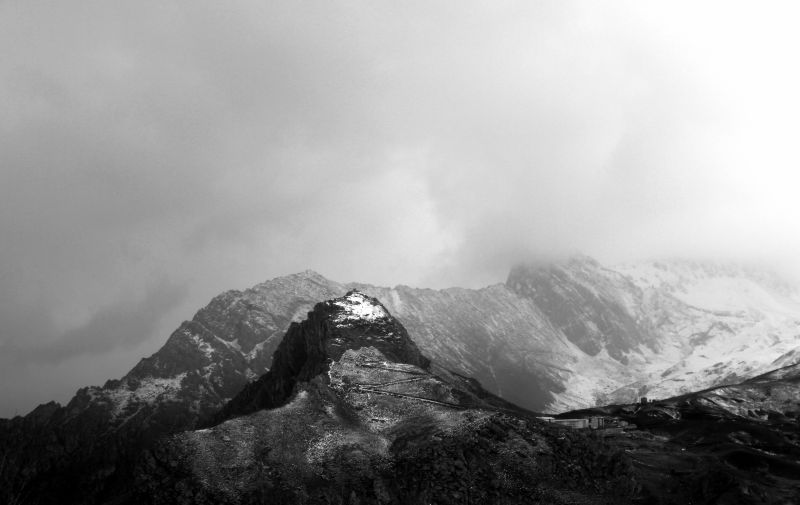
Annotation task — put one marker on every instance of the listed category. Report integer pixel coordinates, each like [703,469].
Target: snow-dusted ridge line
[147,391]
[723,326]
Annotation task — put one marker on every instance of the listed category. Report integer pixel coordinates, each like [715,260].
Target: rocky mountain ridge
[553,337]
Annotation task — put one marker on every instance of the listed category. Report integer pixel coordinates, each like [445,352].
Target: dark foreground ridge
[352,412]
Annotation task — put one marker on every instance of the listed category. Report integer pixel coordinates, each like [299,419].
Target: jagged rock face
[356,414]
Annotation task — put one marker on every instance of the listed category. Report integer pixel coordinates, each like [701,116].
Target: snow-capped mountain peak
[356,306]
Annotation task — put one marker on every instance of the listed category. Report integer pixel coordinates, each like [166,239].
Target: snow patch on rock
[359,307]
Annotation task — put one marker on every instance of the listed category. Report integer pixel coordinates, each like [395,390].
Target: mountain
[558,336]
[352,412]
[658,329]
[553,337]
[718,323]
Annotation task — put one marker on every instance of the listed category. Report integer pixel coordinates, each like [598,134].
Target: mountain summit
[359,321]
[351,322]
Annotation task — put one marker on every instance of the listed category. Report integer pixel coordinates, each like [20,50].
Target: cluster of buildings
[609,424]
[593,422]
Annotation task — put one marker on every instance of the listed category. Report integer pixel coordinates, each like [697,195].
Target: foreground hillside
[735,444]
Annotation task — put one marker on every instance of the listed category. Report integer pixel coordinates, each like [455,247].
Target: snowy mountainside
[507,342]
[718,324]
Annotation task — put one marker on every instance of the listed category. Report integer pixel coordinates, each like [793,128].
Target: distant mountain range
[554,337]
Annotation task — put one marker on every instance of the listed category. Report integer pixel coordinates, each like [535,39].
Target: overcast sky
[155,153]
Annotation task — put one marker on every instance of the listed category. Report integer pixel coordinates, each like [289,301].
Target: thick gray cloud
[122,325]
[153,154]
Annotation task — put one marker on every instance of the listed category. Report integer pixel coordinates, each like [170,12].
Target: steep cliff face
[352,412]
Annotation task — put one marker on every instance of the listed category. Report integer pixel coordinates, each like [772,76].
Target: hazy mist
[154,154]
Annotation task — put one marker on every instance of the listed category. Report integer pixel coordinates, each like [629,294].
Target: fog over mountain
[155,154]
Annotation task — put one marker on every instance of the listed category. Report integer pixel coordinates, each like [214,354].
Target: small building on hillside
[597,423]
[594,422]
